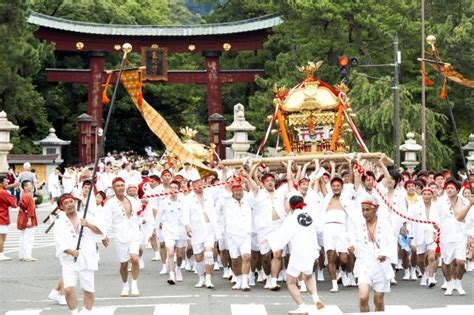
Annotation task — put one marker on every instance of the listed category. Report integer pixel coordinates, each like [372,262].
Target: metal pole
[396,103]
[126,49]
[423,90]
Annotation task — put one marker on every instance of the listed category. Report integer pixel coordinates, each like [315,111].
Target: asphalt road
[24,287]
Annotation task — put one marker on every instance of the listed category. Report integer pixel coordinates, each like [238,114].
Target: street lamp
[469,148]
[410,148]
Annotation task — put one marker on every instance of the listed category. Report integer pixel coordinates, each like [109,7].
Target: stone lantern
[6,127]
[52,145]
[240,142]
[410,148]
[469,148]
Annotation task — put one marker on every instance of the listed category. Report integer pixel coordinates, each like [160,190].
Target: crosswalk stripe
[246,309]
[24,312]
[105,310]
[175,309]
[252,309]
[397,308]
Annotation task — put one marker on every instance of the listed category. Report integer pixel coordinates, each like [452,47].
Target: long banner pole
[126,48]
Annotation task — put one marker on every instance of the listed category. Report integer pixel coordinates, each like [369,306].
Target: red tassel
[140,99]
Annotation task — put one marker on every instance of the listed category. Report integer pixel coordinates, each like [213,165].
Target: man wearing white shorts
[171,218]
[453,211]
[337,222]
[201,225]
[77,265]
[122,217]
[237,210]
[300,230]
[373,248]
[424,235]
[269,214]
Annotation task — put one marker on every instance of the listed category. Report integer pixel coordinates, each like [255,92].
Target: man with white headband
[77,265]
[373,248]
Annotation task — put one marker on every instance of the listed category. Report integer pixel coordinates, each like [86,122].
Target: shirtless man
[121,216]
[336,208]
[453,211]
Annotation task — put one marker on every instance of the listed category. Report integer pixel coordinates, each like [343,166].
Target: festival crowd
[255,225]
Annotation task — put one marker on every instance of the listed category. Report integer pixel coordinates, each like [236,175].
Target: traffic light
[345,64]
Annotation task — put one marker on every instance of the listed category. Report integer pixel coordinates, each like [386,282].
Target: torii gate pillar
[214,99]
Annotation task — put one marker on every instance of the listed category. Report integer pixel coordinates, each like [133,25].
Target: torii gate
[97,40]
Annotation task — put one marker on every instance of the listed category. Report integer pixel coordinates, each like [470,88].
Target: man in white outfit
[453,211]
[373,248]
[77,265]
[300,231]
[237,212]
[121,216]
[201,226]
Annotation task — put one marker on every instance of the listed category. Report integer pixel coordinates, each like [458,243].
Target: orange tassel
[428,81]
[443,94]
[105,97]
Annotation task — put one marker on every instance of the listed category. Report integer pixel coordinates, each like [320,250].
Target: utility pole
[423,90]
[396,102]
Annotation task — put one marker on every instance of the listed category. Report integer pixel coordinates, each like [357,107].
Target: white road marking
[247,309]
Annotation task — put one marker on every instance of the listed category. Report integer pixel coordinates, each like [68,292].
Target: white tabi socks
[238,282]
[125,289]
[335,287]
[135,291]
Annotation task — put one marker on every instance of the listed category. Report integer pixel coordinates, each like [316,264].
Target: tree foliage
[312,30]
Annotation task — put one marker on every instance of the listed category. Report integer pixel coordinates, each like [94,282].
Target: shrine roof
[249,25]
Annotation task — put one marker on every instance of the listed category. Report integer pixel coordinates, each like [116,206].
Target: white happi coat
[314,201]
[451,230]
[423,233]
[170,215]
[300,232]
[65,237]
[237,215]
[367,252]
[195,216]
[264,204]
[353,216]
[124,229]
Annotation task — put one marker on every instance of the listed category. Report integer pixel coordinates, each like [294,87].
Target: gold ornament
[79,45]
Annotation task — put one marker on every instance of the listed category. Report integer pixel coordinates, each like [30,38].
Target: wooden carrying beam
[337,157]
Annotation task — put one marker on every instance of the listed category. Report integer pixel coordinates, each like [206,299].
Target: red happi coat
[6,200]
[27,210]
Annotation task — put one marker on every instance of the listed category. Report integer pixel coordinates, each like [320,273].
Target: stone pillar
[84,133]
[6,127]
[214,97]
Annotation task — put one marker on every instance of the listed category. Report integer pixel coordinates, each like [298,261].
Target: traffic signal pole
[396,103]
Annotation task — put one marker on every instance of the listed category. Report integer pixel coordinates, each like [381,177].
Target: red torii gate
[97,40]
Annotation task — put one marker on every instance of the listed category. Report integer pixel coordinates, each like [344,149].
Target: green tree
[21,58]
